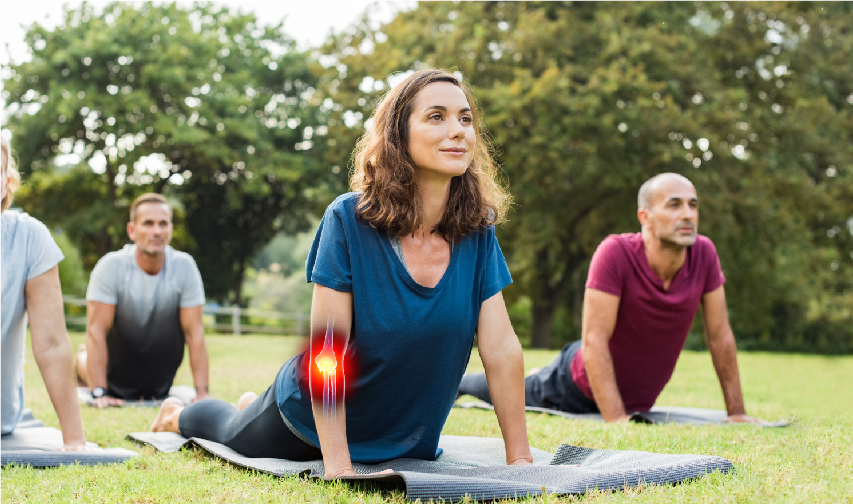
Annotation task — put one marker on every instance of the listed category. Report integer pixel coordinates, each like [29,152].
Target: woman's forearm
[52,352]
[57,371]
[332,431]
[505,375]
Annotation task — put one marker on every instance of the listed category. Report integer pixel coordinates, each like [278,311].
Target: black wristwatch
[98,392]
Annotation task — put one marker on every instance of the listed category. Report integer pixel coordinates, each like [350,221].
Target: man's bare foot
[167,417]
[245,400]
[533,371]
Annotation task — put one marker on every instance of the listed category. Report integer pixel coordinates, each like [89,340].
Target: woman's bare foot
[167,417]
[245,400]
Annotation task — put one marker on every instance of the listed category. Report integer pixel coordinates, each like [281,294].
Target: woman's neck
[433,193]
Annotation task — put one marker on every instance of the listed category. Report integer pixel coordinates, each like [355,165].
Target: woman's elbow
[509,349]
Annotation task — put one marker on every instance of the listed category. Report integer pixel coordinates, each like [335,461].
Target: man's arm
[52,352]
[721,344]
[504,363]
[194,335]
[99,320]
[599,319]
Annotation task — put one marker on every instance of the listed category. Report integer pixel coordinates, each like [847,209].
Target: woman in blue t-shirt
[406,270]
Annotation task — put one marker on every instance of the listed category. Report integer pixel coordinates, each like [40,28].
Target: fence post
[235,320]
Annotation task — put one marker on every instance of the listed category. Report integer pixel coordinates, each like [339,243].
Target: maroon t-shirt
[652,323]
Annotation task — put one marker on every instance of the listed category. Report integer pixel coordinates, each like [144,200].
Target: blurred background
[245,115]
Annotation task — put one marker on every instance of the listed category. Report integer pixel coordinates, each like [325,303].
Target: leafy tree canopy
[201,103]
[753,102]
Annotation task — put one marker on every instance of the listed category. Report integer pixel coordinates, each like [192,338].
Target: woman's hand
[349,472]
[79,448]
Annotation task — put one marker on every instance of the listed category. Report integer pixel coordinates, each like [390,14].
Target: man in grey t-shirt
[143,303]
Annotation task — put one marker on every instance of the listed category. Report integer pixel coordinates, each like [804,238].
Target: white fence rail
[229,319]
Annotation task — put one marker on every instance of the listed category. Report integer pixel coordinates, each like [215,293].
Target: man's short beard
[668,242]
[149,253]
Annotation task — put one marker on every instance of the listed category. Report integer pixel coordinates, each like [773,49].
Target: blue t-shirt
[409,344]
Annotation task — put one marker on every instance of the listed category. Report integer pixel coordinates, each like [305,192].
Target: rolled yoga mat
[477,467]
[33,444]
[658,414]
[183,392]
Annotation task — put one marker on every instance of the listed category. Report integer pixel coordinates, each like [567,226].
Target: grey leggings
[257,431]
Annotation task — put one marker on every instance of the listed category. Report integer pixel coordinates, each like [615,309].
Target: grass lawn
[810,461]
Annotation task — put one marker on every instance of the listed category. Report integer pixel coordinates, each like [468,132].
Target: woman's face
[441,130]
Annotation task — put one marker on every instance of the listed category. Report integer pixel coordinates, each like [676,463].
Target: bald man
[641,296]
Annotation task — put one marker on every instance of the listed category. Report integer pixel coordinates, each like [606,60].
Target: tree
[193,102]
[588,100]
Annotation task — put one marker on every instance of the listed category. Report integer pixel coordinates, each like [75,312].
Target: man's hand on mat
[743,418]
[107,401]
[623,418]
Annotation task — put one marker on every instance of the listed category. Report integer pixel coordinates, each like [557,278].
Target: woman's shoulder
[21,223]
[346,200]
[344,207]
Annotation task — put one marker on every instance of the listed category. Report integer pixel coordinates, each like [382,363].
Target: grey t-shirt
[146,342]
[28,251]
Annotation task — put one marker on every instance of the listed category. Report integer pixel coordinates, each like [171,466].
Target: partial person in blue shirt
[31,292]
[407,270]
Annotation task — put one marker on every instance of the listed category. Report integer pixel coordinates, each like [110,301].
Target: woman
[406,269]
[30,280]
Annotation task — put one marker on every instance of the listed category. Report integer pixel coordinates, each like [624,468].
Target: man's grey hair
[647,190]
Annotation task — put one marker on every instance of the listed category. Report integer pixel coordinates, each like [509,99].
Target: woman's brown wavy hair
[386,175]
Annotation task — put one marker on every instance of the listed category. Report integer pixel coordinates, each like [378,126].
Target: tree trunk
[238,284]
[105,242]
[111,176]
[543,323]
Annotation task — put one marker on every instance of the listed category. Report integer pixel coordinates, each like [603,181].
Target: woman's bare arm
[329,305]
[504,363]
[52,352]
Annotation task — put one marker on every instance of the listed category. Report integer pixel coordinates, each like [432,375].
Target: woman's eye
[467,119]
[436,117]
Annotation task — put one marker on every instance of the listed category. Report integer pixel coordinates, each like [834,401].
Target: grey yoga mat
[35,445]
[476,467]
[183,392]
[658,414]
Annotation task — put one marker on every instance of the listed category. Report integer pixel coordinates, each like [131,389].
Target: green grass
[810,461]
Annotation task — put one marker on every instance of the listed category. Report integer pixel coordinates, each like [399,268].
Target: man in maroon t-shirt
[641,295]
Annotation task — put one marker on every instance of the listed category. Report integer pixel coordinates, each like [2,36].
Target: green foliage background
[753,102]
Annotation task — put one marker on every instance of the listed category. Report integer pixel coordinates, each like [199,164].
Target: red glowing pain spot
[318,365]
